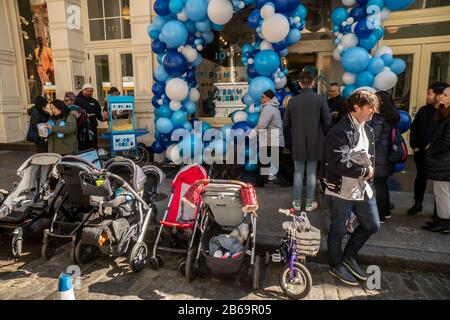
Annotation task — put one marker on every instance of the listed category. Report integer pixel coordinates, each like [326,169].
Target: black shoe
[441,226]
[342,274]
[415,209]
[353,267]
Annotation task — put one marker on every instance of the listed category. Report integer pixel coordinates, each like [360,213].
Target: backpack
[399,151]
[85,134]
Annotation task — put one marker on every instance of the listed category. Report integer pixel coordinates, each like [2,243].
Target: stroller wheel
[48,249]
[17,247]
[192,267]
[182,266]
[84,253]
[154,263]
[160,261]
[298,285]
[138,257]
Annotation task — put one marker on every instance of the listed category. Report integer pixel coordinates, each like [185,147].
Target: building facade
[105,42]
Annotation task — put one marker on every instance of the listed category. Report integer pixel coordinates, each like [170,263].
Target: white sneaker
[297,204]
[311,206]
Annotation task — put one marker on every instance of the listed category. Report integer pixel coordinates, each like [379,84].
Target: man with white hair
[92,107]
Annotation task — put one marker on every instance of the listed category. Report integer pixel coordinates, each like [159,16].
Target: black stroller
[29,205]
[121,215]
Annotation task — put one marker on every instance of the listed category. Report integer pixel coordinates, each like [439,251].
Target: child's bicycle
[301,240]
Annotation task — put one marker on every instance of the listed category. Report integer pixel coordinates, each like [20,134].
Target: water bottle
[61,124]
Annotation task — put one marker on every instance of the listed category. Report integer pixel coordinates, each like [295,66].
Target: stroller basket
[308,243]
[96,185]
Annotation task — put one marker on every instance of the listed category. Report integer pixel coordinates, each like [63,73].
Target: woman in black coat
[38,115]
[382,123]
[438,166]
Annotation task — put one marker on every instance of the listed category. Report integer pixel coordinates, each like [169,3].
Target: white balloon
[175,105]
[267,11]
[385,14]
[177,89]
[190,53]
[337,55]
[251,61]
[266,45]
[354,26]
[385,80]
[282,83]
[240,116]
[173,154]
[348,3]
[220,11]
[349,78]
[194,95]
[275,28]
[383,50]
[350,20]
[182,15]
[340,48]
[350,40]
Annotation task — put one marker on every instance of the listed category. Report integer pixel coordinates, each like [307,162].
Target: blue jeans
[340,211]
[311,170]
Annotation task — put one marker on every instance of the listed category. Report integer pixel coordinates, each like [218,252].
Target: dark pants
[420,184]
[340,211]
[383,197]
[41,146]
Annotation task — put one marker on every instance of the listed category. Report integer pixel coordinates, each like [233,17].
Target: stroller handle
[218,181]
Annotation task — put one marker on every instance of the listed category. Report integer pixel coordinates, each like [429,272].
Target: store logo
[73,17]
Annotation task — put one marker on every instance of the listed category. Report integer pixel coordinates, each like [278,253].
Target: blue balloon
[375,66]
[247,100]
[165,112]
[365,79]
[362,2]
[249,167]
[338,16]
[160,74]
[159,88]
[161,7]
[405,121]
[300,11]
[258,86]
[164,125]
[369,42]
[285,5]
[279,46]
[155,103]
[159,22]
[208,36]
[158,46]
[217,27]
[398,66]
[190,26]
[395,5]
[362,29]
[388,59]
[188,126]
[203,26]
[267,62]
[197,10]
[174,34]
[197,61]
[379,33]
[260,3]
[158,147]
[294,36]
[178,118]
[191,108]
[378,3]
[175,6]
[153,32]
[254,18]
[355,60]
[348,91]
[175,63]
[251,71]
[358,13]
[253,119]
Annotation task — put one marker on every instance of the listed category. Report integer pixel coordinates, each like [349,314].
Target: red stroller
[179,219]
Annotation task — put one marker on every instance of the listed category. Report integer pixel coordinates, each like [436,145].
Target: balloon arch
[183,28]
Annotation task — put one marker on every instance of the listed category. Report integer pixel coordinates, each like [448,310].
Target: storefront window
[424,4]
[402,91]
[37,48]
[440,67]
[109,19]
[418,30]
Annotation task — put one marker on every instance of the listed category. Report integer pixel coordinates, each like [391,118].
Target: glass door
[102,75]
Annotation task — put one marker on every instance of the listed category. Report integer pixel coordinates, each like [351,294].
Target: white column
[13,123]
[67,44]
[140,12]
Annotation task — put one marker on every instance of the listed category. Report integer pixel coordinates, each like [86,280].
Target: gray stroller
[29,205]
[124,202]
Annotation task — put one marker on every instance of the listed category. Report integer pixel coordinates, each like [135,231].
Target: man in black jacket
[38,115]
[336,103]
[349,172]
[421,135]
[85,101]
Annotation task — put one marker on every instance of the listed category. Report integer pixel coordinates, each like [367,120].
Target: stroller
[179,219]
[28,206]
[228,228]
[121,215]
[73,207]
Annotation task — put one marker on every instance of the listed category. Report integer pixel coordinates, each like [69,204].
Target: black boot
[443,226]
[415,209]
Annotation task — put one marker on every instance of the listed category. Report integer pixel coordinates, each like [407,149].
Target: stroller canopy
[129,171]
[155,179]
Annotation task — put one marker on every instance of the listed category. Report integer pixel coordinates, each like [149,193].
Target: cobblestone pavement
[106,279]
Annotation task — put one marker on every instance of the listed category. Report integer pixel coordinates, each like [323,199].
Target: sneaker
[297,204]
[353,267]
[388,217]
[343,275]
[311,206]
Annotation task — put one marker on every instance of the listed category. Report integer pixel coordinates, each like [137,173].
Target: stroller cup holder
[96,184]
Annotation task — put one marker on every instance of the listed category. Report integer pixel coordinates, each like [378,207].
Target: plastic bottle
[61,124]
